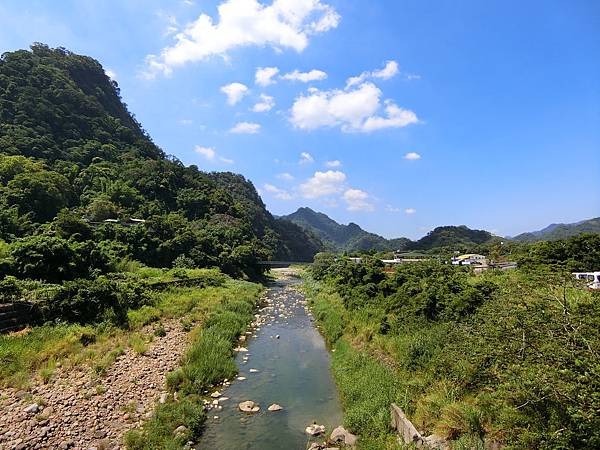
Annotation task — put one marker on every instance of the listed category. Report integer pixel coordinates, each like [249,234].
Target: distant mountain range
[351,237]
[560,231]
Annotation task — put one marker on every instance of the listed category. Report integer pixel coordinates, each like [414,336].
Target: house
[592,279]
[469,259]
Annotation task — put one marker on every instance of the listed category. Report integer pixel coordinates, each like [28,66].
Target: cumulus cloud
[305,77]
[390,70]
[306,158]
[410,211]
[323,183]
[245,128]
[280,194]
[243,23]
[234,92]
[357,200]
[264,75]
[412,156]
[266,104]
[110,74]
[210,154]
[354,110]
[334,163]
[285,176]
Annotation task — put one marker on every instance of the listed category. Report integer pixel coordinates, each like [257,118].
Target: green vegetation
[207,362]
[561,231]
[508,357]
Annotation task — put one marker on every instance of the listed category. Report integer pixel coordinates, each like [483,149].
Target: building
[592,279]
[469,259]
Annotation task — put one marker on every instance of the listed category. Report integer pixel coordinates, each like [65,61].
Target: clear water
[293,371]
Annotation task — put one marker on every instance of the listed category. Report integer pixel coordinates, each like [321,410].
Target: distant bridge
[281,264]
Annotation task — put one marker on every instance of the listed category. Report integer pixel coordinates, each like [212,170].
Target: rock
[99,434]
[32,409]
[215,394]
[180,430]
[436,442]
[253,370]
[249,406]
[241,378]
[163,398]
[342,436]
[405,428]
[275,407]
[315,430]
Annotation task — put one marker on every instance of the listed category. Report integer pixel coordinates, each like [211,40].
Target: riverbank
[103,382]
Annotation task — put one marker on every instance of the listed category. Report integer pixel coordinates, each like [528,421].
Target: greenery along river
[291,368]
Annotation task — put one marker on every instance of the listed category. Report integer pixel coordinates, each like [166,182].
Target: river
[290,367]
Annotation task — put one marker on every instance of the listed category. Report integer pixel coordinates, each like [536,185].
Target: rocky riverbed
[80,410]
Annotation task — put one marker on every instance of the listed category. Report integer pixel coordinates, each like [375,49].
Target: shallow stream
[291,368]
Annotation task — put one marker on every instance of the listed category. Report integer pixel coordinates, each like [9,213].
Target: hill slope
[557,231]
[68,143]
[340,237]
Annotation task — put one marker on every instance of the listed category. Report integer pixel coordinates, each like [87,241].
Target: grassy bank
[207,362]
[37,351]
[505,357]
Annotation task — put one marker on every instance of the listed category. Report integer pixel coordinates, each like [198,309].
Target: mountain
[338,237]
[452,236]
[72,156]
[557,231]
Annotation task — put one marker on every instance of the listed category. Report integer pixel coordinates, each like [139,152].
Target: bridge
[281,264]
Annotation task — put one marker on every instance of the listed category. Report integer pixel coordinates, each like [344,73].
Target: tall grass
[207,362]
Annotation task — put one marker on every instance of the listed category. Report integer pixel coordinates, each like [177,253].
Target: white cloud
[390,70]
[412,156]
[242,23]
[323,184]
[285,176]
[357,200]
[234,92]
[334,163]
[245,128]
[264,75]
[210,154]
[391,208]
[186,121]
[280,194]
[266,104]
[353,110]
[305,77]
[410,211]
[306,158]
[110,74]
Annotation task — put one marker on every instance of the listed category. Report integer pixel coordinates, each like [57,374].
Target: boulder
[215,394]
[315,430]
[342,436]
[275,407]
[249,406]
[32,409]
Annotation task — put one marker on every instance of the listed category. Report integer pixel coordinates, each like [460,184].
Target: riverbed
[286,363]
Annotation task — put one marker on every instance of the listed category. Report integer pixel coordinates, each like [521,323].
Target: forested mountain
[452,236]
[557,231]
[352,238]
[72,156]
[339,237]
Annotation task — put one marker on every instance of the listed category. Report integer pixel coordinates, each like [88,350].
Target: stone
[405,428]
[275,407]
[215,394]
[180,430]
[436,442]
[342,436]
[163,398]
[253,370]
[241,378]
[249,406]
[315,430]
[32,409]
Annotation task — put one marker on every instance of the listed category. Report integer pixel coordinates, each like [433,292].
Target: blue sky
[397,115]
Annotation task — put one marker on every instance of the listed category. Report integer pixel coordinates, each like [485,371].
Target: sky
[398,115]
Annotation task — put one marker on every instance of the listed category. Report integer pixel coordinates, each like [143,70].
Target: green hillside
[557,231]
[73,156]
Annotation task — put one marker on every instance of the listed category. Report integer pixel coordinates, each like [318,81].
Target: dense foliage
[561,231]
[508,357]
[72,156]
